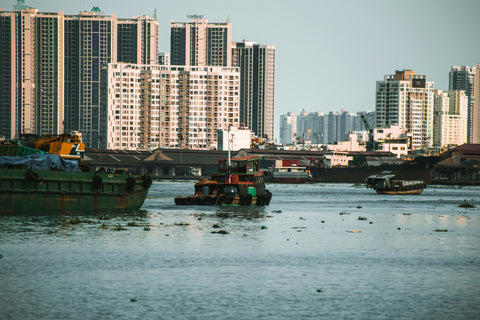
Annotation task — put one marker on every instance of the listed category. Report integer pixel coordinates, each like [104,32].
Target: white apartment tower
[257,73]
[288,128]
[407,100]
[152,106]
[463,78]
[200,43]
[450,118]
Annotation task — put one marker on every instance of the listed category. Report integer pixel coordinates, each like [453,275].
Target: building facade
[288,128]
[463,78]
[51,64]
[31,69]
[92,40]
[450,118]
[200,43]
[257,73]
[407,100]
[147,106]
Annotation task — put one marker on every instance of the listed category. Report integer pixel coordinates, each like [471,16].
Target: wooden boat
[384,183]
[238,182]
[288,171]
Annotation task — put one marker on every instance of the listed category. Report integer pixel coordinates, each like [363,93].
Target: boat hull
[293,179]
[399,192]
[45,192]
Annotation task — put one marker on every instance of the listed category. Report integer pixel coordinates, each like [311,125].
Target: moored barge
[384,183]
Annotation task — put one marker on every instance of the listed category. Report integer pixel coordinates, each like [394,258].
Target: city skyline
[325,49]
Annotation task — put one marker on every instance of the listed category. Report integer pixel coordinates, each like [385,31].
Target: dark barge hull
[25,191]
[358,174]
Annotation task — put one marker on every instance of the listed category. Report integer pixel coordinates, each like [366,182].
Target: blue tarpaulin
[41,162]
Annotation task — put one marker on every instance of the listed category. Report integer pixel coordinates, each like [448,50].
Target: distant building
[406,99]
[463,78]
[50,66]
[257,74]
[288,128]
[321,129]
[164,58]
[450,118]
[200,43]
[147,106]
[31,72]
[239,139]
[92,40]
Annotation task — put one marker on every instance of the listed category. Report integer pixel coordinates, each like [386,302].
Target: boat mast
[229,161]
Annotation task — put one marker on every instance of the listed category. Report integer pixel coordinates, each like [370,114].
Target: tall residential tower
[407,99]
[200,43]
[257,76]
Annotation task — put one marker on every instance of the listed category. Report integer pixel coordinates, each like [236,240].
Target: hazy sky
[329,52]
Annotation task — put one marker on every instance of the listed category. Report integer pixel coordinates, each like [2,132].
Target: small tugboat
[384,183]
[238,182]
[47,178]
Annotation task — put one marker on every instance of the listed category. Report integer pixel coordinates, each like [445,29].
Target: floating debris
[104,226]
[182,223]
[398,228]
[133,300]
[1,256]
[354,231]
[263,227]
[359,207]
[407,214]
[440,230]
[362,218]
[343,212]
[104,218]
[322,221]
[133,224]
[320,290]
[119,227]
[221,232]
[276,211]
[466,204]
[216,226]
[146,228]
[302,218]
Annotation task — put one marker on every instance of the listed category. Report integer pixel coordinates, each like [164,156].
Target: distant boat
[288,171]
[384,183]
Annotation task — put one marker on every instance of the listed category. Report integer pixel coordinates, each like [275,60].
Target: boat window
[222,168]
[242,167]
[230,190]
[234,167]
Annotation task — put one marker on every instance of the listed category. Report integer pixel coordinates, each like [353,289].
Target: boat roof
[384,176]
[245,158]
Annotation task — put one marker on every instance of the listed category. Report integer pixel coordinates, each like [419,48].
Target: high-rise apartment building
[288,128]
[476,106]
[450,118]
[151,106]
[137,40]
[31,72]
[90,42]
[319,128]
[52,63]
[257,73]
[200,43]
[406,99]
[463,78]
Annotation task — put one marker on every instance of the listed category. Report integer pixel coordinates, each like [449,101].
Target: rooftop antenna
[155,14]
[20,5]
[195,16]
[228,19]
